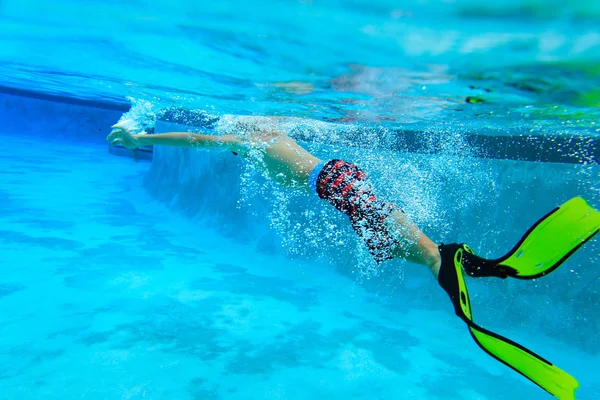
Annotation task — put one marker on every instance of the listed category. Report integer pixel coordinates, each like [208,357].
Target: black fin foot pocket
[452,258]
[478,267]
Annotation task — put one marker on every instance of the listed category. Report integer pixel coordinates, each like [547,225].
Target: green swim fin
[540,371]
[545,246]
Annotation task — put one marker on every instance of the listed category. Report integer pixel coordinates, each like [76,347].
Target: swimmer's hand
[123,134]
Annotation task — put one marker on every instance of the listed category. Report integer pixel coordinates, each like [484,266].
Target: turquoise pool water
[186,275]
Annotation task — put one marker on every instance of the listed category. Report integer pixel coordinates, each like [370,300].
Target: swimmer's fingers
[114,134]
[120,132]
[126,125]
[116,142]
[119,126]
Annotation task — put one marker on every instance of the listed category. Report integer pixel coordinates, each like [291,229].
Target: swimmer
[389,233]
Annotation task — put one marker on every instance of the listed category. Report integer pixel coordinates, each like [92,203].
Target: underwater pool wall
[210,185]
[57,117]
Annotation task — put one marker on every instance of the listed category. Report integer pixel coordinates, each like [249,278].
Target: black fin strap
[478,267]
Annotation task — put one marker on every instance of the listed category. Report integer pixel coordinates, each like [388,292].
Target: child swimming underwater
[389,233]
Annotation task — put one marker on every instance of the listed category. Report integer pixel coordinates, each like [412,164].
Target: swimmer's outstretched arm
[186,139]
[123,135]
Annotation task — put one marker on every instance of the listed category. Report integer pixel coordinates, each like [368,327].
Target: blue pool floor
[107,294]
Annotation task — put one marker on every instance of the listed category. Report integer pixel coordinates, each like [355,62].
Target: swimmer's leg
[414,245]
